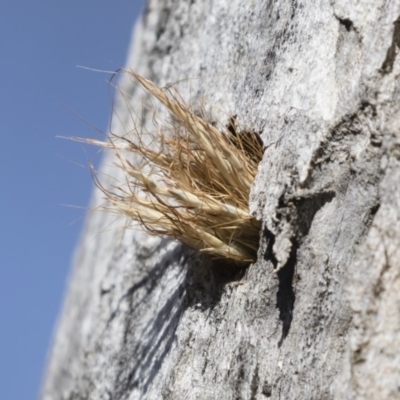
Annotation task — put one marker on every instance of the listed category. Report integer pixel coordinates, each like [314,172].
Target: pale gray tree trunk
[145,318]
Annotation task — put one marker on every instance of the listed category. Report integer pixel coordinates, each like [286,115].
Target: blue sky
[41,44]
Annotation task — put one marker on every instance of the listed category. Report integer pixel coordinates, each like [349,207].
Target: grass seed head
[193,182]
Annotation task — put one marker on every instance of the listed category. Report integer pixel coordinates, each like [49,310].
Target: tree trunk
[146,318]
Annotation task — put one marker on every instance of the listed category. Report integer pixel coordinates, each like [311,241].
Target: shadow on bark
[145,347]
[206,279]
[200,285]
[302,212]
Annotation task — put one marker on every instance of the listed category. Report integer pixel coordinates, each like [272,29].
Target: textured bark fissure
[286,296]
[391,54]
[346,22]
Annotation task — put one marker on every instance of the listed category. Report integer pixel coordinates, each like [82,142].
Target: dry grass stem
[193,182]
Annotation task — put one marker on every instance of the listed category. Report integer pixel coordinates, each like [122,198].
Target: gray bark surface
[145,318]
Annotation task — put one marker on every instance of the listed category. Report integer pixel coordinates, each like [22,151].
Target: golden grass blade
[193,182]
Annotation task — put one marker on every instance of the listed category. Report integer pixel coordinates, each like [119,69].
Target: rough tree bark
[146,319]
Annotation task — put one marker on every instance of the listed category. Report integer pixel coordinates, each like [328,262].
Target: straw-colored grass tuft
[193,180]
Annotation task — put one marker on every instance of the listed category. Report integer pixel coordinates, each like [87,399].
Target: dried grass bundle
[193,185]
